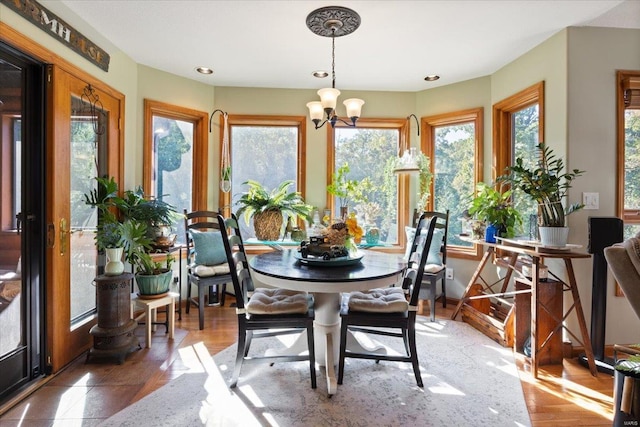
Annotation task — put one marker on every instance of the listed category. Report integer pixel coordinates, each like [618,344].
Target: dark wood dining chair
[207,266]
[436,269]
[380,311]
[272,312]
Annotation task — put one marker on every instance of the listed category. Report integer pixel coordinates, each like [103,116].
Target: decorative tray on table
[331,262]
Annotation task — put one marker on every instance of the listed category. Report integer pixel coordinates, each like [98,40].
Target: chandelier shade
[333,21]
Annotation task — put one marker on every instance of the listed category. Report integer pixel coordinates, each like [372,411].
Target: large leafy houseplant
[495,207]
[547,184]
[269,208]
[123,222]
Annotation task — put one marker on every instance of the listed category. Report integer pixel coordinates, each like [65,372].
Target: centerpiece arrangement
[338,240]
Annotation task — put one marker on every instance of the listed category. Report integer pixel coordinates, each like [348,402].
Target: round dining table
[327,281]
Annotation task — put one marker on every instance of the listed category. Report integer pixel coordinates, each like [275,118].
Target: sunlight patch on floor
[444,388]
[574,393]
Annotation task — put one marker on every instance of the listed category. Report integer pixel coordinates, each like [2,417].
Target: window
[267,149]
[628,94]
[453,142]
[369,150]
[175,153]
[518,127]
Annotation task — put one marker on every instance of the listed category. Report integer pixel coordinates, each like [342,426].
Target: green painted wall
[577,64]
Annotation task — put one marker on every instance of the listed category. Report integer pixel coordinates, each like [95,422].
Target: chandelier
[333,21]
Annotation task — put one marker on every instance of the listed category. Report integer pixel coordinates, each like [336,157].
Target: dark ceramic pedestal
[114,335]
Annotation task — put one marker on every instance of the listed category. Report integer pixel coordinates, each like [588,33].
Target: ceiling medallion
[333,21]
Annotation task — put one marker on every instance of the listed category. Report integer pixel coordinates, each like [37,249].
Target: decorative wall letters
[57,28]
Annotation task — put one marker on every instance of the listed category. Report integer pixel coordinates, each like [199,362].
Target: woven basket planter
[267,225]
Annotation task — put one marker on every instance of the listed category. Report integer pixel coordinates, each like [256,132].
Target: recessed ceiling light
[320,74]
[204,70]
[432,77]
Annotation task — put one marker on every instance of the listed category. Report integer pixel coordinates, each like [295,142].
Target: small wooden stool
[150,306]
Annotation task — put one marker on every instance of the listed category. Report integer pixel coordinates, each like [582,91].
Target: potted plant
[496,210]
[268,209]
[156,213]
[123,226]
[342,188]
[152,277]
[108,235]
[547,184]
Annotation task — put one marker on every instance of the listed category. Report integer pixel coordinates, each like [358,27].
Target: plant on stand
[269,209]
[158,215]
[496,210]
[547,184]
[108,235]
[152,277]
[124,222]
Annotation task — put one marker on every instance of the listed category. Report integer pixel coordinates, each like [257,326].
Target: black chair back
[216,284]
[237,259]
[442,222]
[418,257]
[200,221]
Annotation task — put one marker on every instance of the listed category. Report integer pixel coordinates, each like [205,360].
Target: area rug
[469,380]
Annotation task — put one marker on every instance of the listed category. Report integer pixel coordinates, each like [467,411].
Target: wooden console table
[512,249]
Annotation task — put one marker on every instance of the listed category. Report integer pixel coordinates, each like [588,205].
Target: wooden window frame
[625,80]
[264,120]
[427,145]
[199,179]
[502,133]
[402,125]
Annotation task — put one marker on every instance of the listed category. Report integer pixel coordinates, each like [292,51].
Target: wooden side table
[536,254]
[150,306]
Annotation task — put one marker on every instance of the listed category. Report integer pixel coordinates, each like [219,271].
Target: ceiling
[267,43]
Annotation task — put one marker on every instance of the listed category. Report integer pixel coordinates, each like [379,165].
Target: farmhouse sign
[53,25]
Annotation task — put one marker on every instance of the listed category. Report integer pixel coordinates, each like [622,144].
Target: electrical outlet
[591,200]
[449,273]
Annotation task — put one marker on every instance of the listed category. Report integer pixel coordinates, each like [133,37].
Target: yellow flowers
[354,229]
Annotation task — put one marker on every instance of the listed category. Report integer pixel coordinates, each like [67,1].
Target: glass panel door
[20,220]
[84,143]
[87,130]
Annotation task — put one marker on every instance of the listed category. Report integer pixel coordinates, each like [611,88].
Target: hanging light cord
[225,161]
[333,58]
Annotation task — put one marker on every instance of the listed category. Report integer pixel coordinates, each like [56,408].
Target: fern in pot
[269,208]
[547,184]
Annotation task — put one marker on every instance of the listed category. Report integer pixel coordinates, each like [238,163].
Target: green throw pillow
[208,247]
[434,250]
[433,257]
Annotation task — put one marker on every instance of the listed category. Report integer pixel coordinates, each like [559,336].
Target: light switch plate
[449,273]
[591,200]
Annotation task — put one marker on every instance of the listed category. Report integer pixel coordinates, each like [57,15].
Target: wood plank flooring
[84,394]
